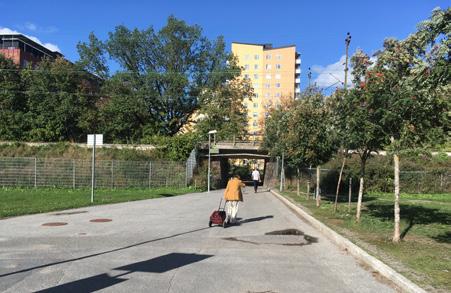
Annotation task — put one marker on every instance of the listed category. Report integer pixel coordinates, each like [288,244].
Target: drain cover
[100,220]
[286,232]
[53,224]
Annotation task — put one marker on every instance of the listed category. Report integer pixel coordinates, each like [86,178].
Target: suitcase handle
[220,203]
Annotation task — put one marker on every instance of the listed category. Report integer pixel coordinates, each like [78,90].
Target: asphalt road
[165,245]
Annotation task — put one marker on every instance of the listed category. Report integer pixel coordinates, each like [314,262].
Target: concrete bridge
[224,152]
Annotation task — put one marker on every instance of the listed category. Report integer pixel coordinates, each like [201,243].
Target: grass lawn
[18,201]
[424,255]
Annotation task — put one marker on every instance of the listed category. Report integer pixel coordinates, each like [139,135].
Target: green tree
[222,109]
[414,75]
[13,103]
[61,101]
[311,139]
[168,70]
[360,113]
[302,131]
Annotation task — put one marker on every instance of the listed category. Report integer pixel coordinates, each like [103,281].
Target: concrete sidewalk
[165,245]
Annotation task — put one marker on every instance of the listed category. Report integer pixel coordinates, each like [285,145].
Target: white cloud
[31,26]
[50,46]
[332,74]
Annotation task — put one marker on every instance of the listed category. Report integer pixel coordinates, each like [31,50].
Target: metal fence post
[112,174]
[35,173]
[73,174]
[150,173]
[186,174]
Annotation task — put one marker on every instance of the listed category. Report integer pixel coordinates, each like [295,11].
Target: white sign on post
[94,140]
[99,139]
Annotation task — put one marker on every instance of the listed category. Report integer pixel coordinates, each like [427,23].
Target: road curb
[400,281]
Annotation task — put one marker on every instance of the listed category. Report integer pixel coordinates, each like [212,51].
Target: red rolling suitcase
[218,217]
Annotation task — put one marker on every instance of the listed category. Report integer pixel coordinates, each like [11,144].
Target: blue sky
[318,28]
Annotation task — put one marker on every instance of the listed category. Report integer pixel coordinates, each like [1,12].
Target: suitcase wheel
[209,223]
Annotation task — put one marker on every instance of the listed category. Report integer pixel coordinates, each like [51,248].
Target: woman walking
[233,195]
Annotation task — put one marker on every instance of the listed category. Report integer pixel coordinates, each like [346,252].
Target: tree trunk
[338,184]
[318,195]
[396,234]
[282,174]
[298,183]
[359,199]
[350,194]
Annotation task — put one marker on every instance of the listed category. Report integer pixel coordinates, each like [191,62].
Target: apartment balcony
[298,71]
[297,90]
[297,80]
[298,61]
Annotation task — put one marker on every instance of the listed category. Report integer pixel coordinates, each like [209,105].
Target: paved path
[164,245]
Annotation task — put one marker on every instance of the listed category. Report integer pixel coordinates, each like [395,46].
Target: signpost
[209,155]
[93,140]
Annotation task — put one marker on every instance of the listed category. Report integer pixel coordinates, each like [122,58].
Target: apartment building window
[255,85]
[255,124]
[256,95]
[255,114]
[278,66]
[268,66]
[278,56]
[268,57]
[246,67]
[246,76]
[266,114]
[267,85]
[277,95]
[278,84]
[255,105]
[268,76]
[256,66]
[257,57]
[278,76]
[256,76]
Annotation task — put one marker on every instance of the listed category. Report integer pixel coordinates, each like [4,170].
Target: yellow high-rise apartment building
[274,74]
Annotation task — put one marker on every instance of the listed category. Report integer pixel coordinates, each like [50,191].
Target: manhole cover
[69,213]
[286,232]
[100,220]
[53,224]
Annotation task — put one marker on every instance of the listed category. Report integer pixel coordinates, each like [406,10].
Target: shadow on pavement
[100,253]
[159,264]
[250,220]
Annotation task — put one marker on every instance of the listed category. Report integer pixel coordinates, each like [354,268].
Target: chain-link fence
[435,181]
[37,172]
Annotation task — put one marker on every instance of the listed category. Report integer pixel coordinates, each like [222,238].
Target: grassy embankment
[21,201]
[424,253]
[71,151]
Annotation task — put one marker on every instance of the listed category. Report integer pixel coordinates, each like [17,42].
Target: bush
[175,148]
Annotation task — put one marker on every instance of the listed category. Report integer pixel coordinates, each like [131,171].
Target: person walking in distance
[255,178]
[233,196]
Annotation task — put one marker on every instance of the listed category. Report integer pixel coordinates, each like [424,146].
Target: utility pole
[347,42]
[309,75]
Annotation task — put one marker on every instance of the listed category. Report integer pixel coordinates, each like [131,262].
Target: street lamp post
[209,155]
